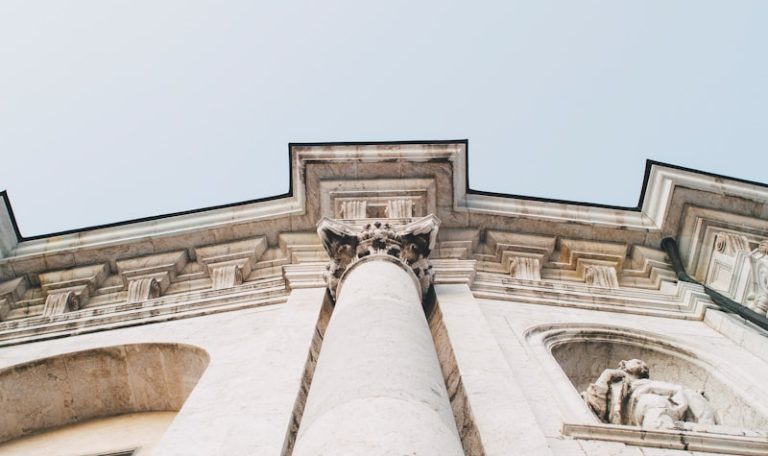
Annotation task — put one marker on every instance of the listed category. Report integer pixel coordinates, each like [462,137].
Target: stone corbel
[228,274]
[601,276]
[61,301]
[231,263]
[80,282]
[522,255]
[149,276]
[10,292]
[525,267]
[411,244]
[143,288]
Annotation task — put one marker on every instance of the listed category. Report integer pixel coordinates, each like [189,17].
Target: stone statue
[628,396]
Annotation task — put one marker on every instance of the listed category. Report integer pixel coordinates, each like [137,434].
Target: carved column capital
[411,244]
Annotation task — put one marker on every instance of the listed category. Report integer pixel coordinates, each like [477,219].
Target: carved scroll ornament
[411,244]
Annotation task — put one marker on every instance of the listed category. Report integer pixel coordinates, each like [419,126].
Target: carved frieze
[411,244]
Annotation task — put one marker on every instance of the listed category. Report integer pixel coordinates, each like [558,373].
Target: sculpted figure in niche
[628,396]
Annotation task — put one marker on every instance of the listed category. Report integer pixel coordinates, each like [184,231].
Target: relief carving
[527,268]
[354,209]
[60,302]
[757,299]
[411,244]
[731,243]
[399,208]
[143,288]
[601,276]
[627,396]
[226,275]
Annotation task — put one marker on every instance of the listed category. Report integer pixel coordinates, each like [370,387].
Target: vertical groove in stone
[462,412]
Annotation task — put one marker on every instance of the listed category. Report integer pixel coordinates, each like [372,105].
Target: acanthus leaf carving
[411,244]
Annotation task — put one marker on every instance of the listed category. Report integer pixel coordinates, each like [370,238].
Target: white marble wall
[554,399]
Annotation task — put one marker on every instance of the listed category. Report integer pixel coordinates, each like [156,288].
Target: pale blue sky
[113,110]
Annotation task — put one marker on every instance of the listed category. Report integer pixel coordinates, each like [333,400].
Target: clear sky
[112,110]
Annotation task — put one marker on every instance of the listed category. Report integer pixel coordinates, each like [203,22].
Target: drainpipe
[725,303]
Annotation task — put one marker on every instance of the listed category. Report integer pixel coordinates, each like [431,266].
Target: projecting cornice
[413,178]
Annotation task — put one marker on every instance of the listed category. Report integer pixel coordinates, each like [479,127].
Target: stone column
[378,387]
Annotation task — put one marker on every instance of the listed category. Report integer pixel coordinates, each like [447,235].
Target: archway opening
[107,391]
[586,354]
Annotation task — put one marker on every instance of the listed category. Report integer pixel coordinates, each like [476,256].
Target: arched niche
[584,352]
[102,382]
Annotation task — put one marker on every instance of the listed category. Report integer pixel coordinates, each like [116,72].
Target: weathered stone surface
[626,395]
[410,244]
[378,388]
[533,300]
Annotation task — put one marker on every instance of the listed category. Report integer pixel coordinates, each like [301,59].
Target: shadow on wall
[96,383]
[584,354]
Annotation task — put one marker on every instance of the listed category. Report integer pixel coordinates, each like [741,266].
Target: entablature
[505,246]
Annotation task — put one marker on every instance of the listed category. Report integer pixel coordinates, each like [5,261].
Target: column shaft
[378,388]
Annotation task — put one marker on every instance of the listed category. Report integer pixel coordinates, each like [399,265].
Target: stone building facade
[381,307]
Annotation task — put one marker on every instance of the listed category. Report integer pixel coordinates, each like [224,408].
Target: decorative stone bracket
[148,277]
[63,300]
[411,244]
[600,275]
[68,290]
[525,267]
[229,264]
[144,288]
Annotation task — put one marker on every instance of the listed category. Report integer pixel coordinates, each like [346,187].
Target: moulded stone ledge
[750,443]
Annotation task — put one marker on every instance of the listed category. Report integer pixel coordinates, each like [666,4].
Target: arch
[97,383]
[583,351]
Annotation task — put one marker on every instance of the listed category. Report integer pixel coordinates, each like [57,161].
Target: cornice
[651,215]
